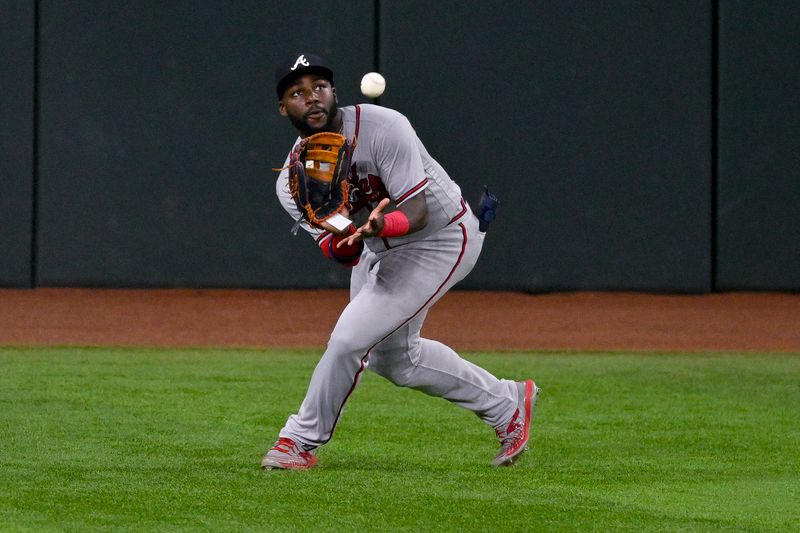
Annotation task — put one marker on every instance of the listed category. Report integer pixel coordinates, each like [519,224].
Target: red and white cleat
[289,455]
[514,435]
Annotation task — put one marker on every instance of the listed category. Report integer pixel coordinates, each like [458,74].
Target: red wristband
[395,224]
[347,255]
[348,252]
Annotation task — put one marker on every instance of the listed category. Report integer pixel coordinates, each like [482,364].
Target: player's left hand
[372,227]
[331,229]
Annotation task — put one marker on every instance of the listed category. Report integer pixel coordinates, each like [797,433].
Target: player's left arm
[326,237]
[334,248]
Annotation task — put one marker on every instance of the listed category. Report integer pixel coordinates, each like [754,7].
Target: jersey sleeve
[399,161]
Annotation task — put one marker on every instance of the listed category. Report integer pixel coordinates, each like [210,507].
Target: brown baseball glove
[318,169]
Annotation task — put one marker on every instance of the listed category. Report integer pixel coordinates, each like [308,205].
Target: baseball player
[413,238]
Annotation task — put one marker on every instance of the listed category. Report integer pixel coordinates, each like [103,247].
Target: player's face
[310,104]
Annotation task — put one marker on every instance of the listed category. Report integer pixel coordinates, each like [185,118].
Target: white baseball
[373,84]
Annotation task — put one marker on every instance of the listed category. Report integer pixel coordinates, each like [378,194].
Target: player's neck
[337,124]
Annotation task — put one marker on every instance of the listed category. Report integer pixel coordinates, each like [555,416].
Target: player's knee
[397,376]
[345,345]
[394,367]
[382,370]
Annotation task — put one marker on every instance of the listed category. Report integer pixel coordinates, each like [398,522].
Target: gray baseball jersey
[389,162]
[395,282]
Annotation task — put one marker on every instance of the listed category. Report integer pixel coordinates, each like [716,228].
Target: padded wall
[591,121]
[758,232]
[159,128]
[16,141]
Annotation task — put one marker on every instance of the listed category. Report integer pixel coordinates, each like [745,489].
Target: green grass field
[170,440]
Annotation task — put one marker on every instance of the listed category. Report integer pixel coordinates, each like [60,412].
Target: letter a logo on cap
[300,61]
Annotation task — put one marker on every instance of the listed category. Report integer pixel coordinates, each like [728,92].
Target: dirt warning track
[496,321]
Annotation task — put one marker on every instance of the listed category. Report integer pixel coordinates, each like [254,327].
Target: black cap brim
[297,66]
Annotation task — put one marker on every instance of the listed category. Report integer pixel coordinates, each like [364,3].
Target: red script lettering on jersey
[364,190]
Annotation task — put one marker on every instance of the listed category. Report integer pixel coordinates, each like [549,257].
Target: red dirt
[463,319]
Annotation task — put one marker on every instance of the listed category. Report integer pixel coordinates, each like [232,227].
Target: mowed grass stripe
[165,440]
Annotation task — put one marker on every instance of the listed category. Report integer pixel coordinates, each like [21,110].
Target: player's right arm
[409,217]
[400,165]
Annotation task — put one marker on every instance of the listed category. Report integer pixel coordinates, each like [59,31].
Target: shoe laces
[286,445]
[511,434]
[290,447]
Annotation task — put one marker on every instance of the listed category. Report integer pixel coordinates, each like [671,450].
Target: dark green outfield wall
[758,201]
[635,145]
[16,141]
[592,121]
[159,129]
